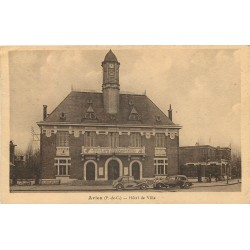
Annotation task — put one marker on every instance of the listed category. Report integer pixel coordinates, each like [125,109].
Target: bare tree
[33,162]
[236,165]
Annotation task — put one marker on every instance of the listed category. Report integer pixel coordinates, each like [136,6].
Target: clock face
[111,65]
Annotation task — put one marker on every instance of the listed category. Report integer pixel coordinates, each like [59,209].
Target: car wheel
[187,185]
[159,186]
[144,186]
[119,187]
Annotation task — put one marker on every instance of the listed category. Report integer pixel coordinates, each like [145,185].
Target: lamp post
[227,169]
[199,172]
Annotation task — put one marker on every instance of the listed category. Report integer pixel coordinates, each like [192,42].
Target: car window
[125,179]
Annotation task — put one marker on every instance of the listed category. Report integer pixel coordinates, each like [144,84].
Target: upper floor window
[135,140]
[62,139]
[90,139]
[113,139]
[160,140]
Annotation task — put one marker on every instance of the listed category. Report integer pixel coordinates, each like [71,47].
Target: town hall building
[104,135]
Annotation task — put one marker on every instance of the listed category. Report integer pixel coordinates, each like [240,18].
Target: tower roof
[110,57]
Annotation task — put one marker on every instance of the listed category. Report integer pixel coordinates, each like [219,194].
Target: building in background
[17,165]
[204,160]
[12,153]
[104,135]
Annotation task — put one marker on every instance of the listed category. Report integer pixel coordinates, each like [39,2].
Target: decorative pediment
[90,113]
[134,115]
[90,109]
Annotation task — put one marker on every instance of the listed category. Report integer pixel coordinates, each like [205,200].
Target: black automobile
[172,181]
[128,182]
[221,178]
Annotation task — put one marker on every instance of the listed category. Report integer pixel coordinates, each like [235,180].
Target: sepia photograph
[133,121]
[124,124]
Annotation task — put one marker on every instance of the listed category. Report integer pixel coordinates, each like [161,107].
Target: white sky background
[203,86]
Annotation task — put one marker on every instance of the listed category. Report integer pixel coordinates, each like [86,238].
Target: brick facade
[205,160]
[88,136]
[79,161]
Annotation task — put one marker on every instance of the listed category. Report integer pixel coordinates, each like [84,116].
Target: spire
[110,57]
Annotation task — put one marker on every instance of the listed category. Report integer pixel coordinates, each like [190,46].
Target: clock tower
[111,86]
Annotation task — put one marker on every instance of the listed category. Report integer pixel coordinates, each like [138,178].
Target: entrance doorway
[113,170]
[90,171]
[136,170]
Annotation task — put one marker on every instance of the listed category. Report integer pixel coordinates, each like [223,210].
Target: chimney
[45,112]
[170,113]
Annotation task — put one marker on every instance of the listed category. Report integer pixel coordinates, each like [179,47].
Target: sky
[201,84]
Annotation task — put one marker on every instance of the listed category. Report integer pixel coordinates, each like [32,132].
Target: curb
[217,185]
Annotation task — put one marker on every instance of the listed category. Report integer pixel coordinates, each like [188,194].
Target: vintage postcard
[125,124]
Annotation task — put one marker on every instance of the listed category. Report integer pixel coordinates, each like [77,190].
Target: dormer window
[90,114]
[158,118]
[63,116]
[134,116]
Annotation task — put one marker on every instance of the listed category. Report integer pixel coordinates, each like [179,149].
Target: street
[222,187]
[228,188]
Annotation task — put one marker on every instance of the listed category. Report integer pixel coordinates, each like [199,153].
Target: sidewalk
[100,188]
[216,184]
[60,188]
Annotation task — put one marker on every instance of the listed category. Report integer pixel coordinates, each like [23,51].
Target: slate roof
[77,104]
[110,57]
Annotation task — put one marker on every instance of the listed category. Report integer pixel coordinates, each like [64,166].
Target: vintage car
[128,182]
[221,178]
[172,181]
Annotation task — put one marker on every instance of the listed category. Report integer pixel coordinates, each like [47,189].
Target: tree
[236,164]
[33,162]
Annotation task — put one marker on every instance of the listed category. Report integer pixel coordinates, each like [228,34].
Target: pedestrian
[210,178]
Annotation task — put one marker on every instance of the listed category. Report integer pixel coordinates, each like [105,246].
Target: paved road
[228,188]
[61,188]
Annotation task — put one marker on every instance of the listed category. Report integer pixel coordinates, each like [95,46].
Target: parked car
[128,182]
[172,181]
[221,178]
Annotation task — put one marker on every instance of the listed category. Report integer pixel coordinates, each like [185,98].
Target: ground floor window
[161,166]
[62,166]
